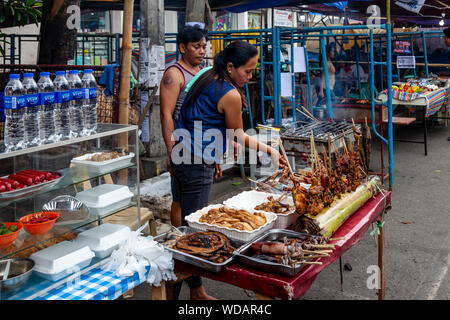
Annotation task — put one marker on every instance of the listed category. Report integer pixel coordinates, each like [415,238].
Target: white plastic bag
[136,254]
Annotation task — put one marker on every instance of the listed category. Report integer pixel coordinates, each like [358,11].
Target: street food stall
[427,96]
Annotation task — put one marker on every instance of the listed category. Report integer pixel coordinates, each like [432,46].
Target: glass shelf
[57,157]
[103,130]
[25,240]
[71,176]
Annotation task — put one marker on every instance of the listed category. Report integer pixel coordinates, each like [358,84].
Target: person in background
[191,42]
[320,83]
[447,42]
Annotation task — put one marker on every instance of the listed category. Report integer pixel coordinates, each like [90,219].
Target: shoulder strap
[202,71]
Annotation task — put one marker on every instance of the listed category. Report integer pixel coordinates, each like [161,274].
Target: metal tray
[243,254]
[14,194]
[194,260]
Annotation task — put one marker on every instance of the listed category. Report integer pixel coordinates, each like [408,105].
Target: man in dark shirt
[447,42]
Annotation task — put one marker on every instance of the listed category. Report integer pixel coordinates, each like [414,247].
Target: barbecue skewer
[316,256]
[308,112]
[323,246]
[339,238]
[280,142]
[282,196]
[308,262]
[326,252]
[306,115]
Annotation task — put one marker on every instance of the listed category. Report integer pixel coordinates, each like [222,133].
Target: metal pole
[327,81]
[308,79]
[12,49]
[261,51]
[389,105]
[293,78]
[425,57]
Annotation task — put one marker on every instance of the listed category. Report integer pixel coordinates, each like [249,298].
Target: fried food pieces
[275,206]
[210,245]
[327,183]
[234,219]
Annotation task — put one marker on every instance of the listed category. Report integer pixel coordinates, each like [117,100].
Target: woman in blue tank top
[212,108]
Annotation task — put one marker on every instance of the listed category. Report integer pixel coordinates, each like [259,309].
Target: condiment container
[61,260]
[104,239]
[105,198]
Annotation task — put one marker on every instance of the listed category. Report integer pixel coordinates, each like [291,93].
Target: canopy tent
[424,12]
[180,5]
[429,11]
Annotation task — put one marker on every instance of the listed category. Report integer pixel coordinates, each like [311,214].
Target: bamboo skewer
[345,145]
[316,256]
[306,115]
[282,196]
[323,246]
[285,156]
[318,251]
[308,112]
[340,238]
[308,262]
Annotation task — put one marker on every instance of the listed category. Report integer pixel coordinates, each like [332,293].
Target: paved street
[417,247]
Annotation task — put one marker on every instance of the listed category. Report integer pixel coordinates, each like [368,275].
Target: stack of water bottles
[49,111]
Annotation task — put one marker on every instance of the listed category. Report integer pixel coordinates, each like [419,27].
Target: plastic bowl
[42,227]
[7,239]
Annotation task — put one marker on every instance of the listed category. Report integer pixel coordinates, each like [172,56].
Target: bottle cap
[44,74]
[60,73]
[14,76]
[28,75]
[87,70]
[73,72]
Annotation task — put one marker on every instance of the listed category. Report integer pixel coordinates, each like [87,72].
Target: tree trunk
[57,42]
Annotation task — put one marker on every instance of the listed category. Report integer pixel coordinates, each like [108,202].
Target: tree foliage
[15,13]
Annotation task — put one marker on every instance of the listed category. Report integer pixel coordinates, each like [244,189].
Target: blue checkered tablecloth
[96,284]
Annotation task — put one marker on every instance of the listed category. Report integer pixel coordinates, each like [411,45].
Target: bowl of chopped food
[103,162]
[9,232]
[39,223]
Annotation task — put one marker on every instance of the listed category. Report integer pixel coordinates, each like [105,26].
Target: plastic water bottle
[62,110]
[76,105]
[47,108]
[14,103]
[90,101]
[31,119]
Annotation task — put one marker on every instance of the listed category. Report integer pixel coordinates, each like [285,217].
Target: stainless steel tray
[194,260]
[243,254]
[14,194]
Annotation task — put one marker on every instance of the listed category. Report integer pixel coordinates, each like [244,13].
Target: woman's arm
[231,105]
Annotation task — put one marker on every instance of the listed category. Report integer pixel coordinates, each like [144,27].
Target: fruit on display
[415,88]
[5,230]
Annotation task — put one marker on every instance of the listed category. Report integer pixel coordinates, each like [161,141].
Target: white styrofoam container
[99,167]
[61,260]
[240,235]
[248,200]
[105,198]
[104,239]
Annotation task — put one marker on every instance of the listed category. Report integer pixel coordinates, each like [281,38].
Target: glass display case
[74,178]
